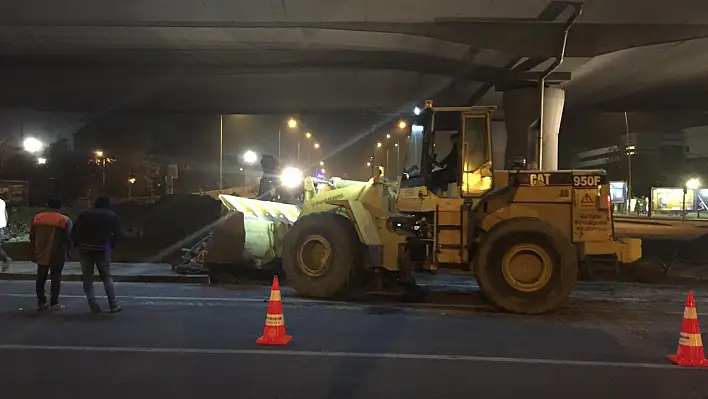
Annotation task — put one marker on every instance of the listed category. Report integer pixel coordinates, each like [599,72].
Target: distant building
[657,159]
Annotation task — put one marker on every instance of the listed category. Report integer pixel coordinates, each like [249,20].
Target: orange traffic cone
[690,346]
[274,331]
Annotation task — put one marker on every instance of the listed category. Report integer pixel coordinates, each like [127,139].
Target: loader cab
[449,151]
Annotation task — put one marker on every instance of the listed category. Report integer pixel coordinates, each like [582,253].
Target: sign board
[702,200]
[618,192]
[670,199]
[14,192]
[172,171]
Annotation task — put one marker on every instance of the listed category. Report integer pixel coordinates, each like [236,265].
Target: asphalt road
[179,341]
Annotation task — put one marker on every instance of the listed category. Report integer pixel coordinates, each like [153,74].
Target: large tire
[321,254]
[525,265]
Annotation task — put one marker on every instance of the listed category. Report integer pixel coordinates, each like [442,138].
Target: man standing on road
[95,234]
[49,243]
[3,229]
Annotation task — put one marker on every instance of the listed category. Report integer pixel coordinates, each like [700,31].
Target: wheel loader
[521,233]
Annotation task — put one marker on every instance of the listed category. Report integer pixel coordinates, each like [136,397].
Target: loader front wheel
[524,265]
[321,254]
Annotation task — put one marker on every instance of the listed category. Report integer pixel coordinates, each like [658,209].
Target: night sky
[194,138]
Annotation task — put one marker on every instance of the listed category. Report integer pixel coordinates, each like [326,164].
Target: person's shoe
[95,308]
[42,307]
[6,264]
[56,307]
[116,309]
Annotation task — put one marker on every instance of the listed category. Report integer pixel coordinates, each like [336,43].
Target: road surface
[183,341]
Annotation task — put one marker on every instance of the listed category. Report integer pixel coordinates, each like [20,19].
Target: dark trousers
[43,271]
[101,261]
[441,178]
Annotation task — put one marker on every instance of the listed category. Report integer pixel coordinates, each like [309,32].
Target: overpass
[348,56]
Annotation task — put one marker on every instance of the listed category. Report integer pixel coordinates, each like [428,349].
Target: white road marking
[326,354]
[190,301]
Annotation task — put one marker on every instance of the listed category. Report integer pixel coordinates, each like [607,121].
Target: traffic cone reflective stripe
[690,347]
[274,331]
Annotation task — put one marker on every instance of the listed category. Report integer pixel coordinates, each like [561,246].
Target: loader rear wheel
[524,265]
[321,254]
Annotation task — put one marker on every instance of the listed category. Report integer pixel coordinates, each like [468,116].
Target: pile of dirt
[174,218]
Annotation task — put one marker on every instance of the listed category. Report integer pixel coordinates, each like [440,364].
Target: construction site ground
[187,340]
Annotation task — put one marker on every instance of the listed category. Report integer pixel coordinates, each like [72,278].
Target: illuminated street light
[368,164]
[416,111]
[402,124]
[693,184]
[317,145]
[32,145]
[250,157]
[98,153]
[388,135]
[131,179]
[395,145]
[321,163]
[292,123]
[41,161]
[308,135]
[378,145]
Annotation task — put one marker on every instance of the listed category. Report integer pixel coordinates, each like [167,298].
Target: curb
[176,279]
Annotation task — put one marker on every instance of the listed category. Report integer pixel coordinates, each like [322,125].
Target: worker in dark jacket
[49,244]
[95,234]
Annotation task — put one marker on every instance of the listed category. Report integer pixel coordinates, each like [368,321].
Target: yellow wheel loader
[521,233]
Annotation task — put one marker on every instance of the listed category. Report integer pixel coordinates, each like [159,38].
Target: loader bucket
[252,232]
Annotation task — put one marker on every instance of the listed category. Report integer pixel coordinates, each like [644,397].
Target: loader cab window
[476,155]
[412,175]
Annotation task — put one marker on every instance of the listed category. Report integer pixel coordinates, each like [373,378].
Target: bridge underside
[310,55]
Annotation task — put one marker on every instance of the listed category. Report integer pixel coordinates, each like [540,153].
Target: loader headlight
[291,177]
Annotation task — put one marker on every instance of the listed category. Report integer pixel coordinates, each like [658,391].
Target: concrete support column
[498,145]
[521,109]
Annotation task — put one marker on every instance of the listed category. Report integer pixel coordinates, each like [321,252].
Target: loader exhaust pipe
[577,11]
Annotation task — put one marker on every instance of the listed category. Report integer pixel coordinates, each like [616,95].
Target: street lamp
[308,135]
[693,184]
[378,144]
[101,162]
[250,157]
[321,163]
[41,161]
[317,145]
[32,145]
[292,123]
[131,181]
[402,124]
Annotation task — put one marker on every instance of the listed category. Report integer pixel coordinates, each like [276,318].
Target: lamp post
[630,151]
[101,162]
[292,124]
[221,151]
[692,184]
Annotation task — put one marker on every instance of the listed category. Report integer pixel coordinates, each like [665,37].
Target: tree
[67,172]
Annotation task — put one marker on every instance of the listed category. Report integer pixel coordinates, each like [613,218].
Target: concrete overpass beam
[521,108]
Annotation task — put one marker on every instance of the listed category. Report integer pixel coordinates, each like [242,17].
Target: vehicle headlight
[291,177]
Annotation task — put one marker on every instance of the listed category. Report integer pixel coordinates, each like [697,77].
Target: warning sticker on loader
[585,198]
[591,225]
